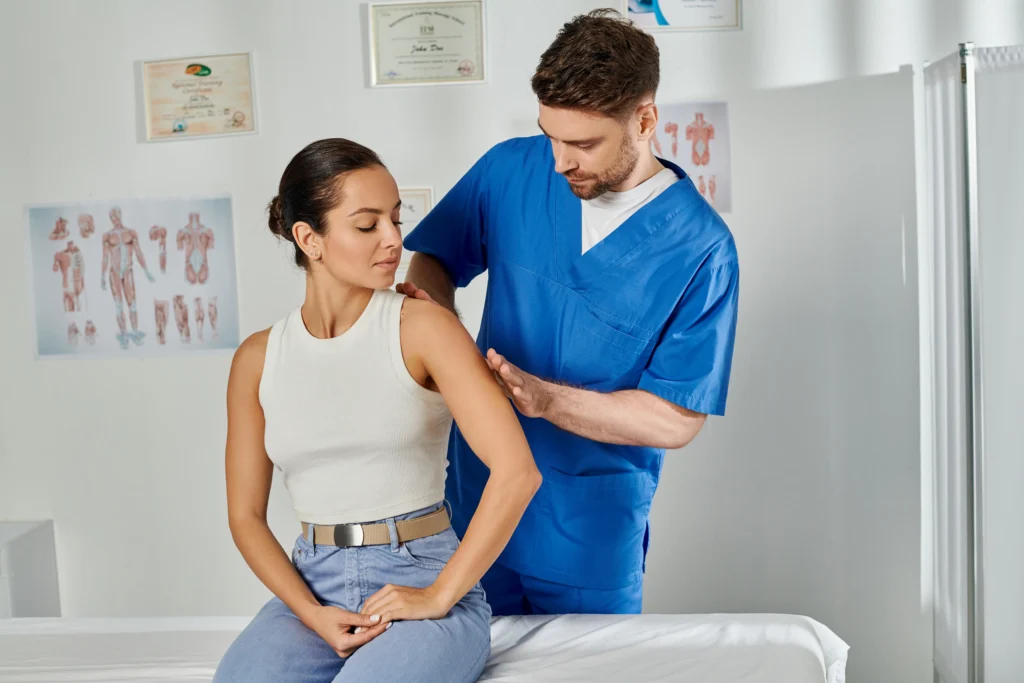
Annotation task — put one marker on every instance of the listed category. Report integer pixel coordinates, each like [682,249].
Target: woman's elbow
[524,481]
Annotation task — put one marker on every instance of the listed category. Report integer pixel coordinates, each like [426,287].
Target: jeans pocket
[432,552]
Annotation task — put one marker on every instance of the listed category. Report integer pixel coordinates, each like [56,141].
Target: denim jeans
[277,648]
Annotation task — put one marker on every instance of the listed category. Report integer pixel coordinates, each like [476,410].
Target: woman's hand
[400,603]
[336,626]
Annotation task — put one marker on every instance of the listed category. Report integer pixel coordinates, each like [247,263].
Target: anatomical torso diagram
[700,133]
[120,248]
[73,333]
[90,333]
[181,318]
[71,266]
[159,235]
[162,310]
[711,190]
[195,239]
[213,316]
[60,230]
[200,316]
[86,226]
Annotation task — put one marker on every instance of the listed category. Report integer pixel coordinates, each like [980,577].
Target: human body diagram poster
[695,135]
[133,277]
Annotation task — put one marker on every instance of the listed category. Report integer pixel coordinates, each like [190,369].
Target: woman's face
[363,242]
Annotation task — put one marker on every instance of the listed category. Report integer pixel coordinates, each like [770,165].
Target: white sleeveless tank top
[355,436]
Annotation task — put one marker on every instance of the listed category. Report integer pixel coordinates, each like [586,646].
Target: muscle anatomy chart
[71,265]
[160,310]
[198,290]
[120,248]
[86,226]
[699,143]
[159,235]
[195,239]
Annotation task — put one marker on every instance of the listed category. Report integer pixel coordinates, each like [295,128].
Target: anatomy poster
[133,277]
[695,135]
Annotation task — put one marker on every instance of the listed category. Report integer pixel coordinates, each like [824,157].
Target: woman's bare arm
[249,474]
[434,341]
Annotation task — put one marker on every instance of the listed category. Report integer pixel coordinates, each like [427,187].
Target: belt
[354,535]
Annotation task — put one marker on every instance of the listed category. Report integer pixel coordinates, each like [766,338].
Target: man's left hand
[530,394]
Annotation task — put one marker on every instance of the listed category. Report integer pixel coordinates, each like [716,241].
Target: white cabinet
[28,570]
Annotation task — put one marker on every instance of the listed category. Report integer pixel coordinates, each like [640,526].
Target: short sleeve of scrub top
[455,231]
[691,364]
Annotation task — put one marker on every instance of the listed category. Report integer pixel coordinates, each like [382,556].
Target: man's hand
[413,292]
[400,603]
[530,394]
[334,625]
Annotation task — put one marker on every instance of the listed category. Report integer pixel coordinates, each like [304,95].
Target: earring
[315,256]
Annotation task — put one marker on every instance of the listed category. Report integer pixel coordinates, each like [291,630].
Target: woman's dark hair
[309,188]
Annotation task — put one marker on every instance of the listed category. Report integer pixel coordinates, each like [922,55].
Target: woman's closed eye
[398,224]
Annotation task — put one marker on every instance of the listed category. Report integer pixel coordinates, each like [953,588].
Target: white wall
[780,506]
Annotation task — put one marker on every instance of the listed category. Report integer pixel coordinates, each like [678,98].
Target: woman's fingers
[350,642]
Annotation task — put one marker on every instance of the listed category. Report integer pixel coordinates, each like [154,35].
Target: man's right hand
[413,292]
[336,627]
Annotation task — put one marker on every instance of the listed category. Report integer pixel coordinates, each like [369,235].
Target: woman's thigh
[453,649]
[277,647]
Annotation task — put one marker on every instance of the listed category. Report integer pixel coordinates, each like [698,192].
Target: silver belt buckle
[348,535]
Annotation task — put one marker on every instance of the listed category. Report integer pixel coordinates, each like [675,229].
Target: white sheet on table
[575,648]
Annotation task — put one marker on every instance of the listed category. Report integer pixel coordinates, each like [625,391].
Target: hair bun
[276,220]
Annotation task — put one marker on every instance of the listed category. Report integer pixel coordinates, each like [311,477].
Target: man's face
[595,153]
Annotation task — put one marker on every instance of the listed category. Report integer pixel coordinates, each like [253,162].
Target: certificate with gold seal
[422,43]
[198,96]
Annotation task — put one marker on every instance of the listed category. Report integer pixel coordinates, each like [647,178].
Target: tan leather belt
[354,535]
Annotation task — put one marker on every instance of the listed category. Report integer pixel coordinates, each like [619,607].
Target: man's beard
[615,175]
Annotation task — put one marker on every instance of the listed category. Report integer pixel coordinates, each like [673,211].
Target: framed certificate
[427,43]
[198,97]
[416,203]
[684,15]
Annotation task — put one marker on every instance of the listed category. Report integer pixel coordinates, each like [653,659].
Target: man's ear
[647,114]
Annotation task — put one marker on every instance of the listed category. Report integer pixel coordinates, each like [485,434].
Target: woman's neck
[331,308]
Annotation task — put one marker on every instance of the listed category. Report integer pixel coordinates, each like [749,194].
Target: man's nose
[563,159]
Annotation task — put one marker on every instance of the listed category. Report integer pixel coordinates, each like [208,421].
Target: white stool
[28,570]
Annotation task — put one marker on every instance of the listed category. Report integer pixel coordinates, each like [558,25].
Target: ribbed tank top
[355,436]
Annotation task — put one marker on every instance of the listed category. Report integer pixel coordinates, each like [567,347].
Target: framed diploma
[427,43]
[416,203]
[683,15]
[198,97]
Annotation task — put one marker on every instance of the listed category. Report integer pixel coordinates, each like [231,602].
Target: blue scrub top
[652,307]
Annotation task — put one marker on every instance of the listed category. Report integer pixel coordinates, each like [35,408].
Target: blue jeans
[510,592]
[277,648]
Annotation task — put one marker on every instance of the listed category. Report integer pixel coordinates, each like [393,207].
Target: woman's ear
[307,239]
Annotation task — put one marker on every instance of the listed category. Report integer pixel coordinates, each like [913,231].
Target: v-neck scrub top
[652,306]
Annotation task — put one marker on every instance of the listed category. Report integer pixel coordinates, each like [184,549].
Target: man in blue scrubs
[610,316]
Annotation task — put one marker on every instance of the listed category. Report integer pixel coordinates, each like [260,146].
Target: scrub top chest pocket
[604,353]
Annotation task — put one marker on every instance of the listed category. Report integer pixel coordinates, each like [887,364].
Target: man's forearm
[427,273]
[630,417]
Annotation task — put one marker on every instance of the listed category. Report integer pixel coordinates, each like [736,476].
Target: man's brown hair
[598,63]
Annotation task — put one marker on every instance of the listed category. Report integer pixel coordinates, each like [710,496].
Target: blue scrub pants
[509,592]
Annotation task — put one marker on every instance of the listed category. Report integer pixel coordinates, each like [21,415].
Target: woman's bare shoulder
[250,355]
[424,321]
